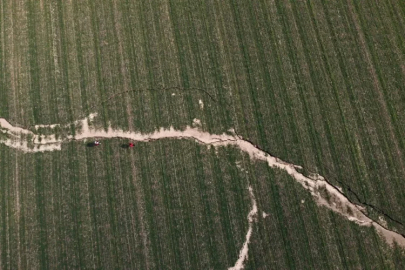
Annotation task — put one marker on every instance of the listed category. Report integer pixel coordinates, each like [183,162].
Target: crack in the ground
[178,88]
[314,182]
[346,186]
[363,202]
[205,91]
[211,96]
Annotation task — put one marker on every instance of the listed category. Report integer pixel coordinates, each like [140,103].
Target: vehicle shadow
[90,144]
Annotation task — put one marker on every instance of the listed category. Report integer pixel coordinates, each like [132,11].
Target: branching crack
[321,189]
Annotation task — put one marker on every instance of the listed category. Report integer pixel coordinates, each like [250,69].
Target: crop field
[268,134]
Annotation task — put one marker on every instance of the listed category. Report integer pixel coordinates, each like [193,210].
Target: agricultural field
[268,134]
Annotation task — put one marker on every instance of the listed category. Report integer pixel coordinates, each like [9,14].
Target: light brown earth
[243,254]
[314,183]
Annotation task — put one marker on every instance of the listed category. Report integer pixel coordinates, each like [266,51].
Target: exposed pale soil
[201,103]
[243,254]
[314,183]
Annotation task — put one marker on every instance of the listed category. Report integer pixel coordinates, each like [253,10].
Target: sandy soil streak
[243,254]
[314,183]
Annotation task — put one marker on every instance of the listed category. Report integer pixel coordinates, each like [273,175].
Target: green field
[319,84]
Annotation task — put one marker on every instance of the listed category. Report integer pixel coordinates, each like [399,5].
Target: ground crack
[316,178]
[318,186]
[363,202]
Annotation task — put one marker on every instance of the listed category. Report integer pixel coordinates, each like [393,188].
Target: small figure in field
[127,145]
[92,144]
